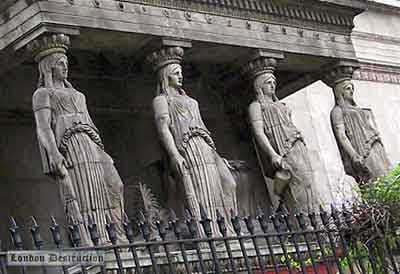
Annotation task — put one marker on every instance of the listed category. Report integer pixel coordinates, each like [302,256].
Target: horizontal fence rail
[268,243]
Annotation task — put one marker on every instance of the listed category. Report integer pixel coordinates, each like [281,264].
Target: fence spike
[35,231]
[94,233]
[205,221]
[55,232]
[15,234]
[191,223]
[235,219]
[221,223]
[75,236]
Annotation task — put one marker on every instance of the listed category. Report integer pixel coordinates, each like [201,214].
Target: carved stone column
[71,148]
[197,177]
[280,147]
[355,129]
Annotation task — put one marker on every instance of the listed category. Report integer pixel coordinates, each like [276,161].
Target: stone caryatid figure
[361,148]
[279,145]
[70,145]
[200,173]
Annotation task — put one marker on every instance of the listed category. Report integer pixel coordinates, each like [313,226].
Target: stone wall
[375,38]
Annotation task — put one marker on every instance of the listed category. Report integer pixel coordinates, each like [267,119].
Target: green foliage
[384,195]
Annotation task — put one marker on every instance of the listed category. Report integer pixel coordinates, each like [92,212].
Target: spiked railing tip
[172,216]
[53,221]
[188,214]
[203,212]
[233,214]
[219,216]
[126,219]
[90,220]
[34,223]
[259,212]
[108,219]
[13,222]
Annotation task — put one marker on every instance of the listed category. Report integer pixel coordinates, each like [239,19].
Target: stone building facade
[110,42]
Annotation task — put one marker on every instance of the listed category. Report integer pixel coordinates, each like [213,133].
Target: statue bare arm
[340,133]
[257,126]
[46,136]
[163,122]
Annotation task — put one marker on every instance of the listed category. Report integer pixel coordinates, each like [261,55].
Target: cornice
[377,73]
[257,10]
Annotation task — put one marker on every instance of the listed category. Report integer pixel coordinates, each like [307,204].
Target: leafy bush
[376,215]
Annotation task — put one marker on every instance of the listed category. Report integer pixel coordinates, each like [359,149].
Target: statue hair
[46,66]
[163,80]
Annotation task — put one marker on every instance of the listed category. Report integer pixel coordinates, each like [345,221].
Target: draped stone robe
[93,187]
[361,130]
[287,141]
[207,172]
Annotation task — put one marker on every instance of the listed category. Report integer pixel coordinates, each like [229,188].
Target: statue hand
[358,161]
[179,164]
[277,161]
[58,166]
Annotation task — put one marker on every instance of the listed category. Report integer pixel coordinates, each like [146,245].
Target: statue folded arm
[163,123]
[257,126]
[47,140]
[340,133]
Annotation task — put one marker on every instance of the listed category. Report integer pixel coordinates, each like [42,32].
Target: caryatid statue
[70,145]
[279,144]
[201,175]
[357,136]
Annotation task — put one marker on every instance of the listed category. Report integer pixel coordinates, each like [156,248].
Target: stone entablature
[264,11]
[321,29]
[377,74]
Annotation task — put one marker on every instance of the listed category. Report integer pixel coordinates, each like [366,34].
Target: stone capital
[166,51]
[48,44]
[261,61]
[339,72]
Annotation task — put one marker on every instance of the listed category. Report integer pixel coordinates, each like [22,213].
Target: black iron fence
[268,243]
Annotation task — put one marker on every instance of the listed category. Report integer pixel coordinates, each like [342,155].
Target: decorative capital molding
[261,61]
[341,71]
[165,56]
[48,44]
[259,66]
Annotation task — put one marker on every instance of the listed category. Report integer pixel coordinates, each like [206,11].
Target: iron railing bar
[250,228]
[371,259]
[264,226]
[230,255]
[354,245]
[296,247]
[383,256]
[281,242]
[302,224]
[3,263]
[346,252]
[324,255]
[391,258]
[186,241]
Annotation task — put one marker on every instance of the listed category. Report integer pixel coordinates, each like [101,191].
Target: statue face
[348,91]
[175,78]
[60,70]
[269,86]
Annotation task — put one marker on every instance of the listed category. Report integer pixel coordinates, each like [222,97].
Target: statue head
[170,78]
[49,51]
[53,67]
[265,85]
[343,92]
